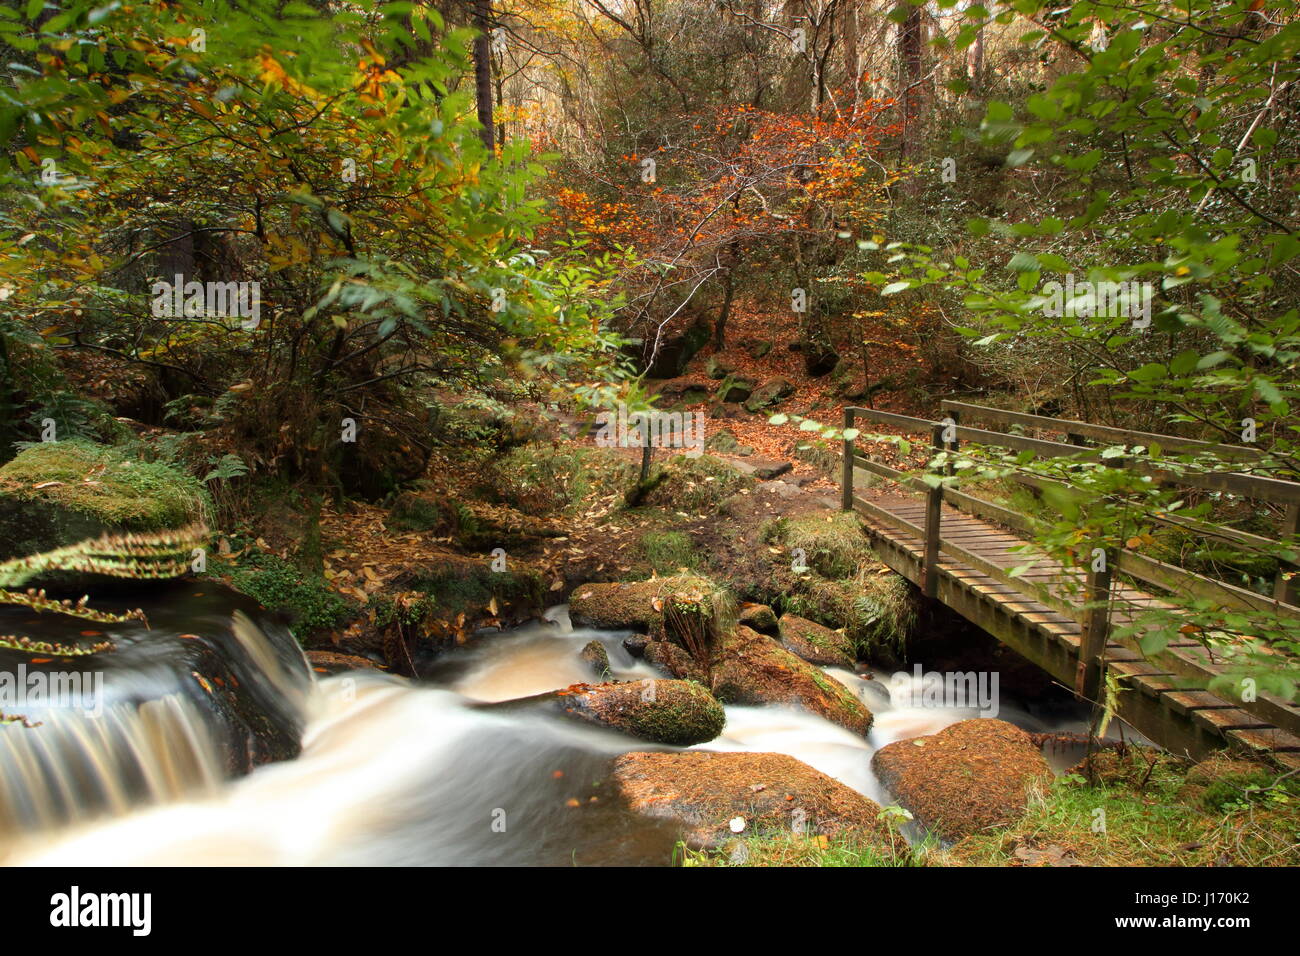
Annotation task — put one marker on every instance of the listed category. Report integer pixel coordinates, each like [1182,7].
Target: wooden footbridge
[957,548]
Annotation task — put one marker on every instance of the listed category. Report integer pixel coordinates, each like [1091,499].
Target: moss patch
[669,551]
[675,712]
[1154,815]
[57,493]
[280,586]
[549,479]
[695,485]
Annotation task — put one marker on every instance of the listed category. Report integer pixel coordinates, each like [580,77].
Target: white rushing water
[394,773]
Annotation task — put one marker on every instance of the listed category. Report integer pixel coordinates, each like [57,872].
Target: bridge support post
[933,514]
[1284,590]
[1095,627]
[846,482]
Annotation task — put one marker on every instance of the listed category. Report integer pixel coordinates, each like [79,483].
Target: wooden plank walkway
[1039,614]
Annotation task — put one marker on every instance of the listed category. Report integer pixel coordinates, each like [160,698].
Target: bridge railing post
[1095,626]
[933,513]
[846,483]
[951,421]
[1284,588]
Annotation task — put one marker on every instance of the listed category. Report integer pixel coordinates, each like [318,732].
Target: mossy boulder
[769,394]
[673,660]
[627,605]
[413,511]
[815,643]
[759,617]
[718,367]
[332,662]
[971,776]
[735,388]
[56,494]
[769,793]
[754,669]
[676,712]
[594,655]
[726,443]
[695,485]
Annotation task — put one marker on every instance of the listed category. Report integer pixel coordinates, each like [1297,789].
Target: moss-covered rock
[969,777]
[594,655]
[735,388]
[815,643]
[754,669]
[628,605]
[769,394]
[676,712]
[695,485]
[56,494]
[769,793]
[412,511]
[759,617]
[718,367]
[332,662]
[674,661]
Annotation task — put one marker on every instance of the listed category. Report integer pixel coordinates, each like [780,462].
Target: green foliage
[422,270]
[280,586]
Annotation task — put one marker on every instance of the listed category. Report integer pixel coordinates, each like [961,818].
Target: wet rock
[636,644]
[754,669]
[675,712]
[815,643]
[768,394]
[966,778]
[759,617]
[674,660]
[770,793]
[332,662]
[594,655]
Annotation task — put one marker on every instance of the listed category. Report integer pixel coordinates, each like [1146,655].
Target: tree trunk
[720,327]
[852,59]
[975,62]
[483,68]
[909,56]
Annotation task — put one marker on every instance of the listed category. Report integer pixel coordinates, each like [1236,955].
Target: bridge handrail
[1108,433]
[1095,617]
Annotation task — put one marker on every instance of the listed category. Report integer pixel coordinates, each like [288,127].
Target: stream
[396,773]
